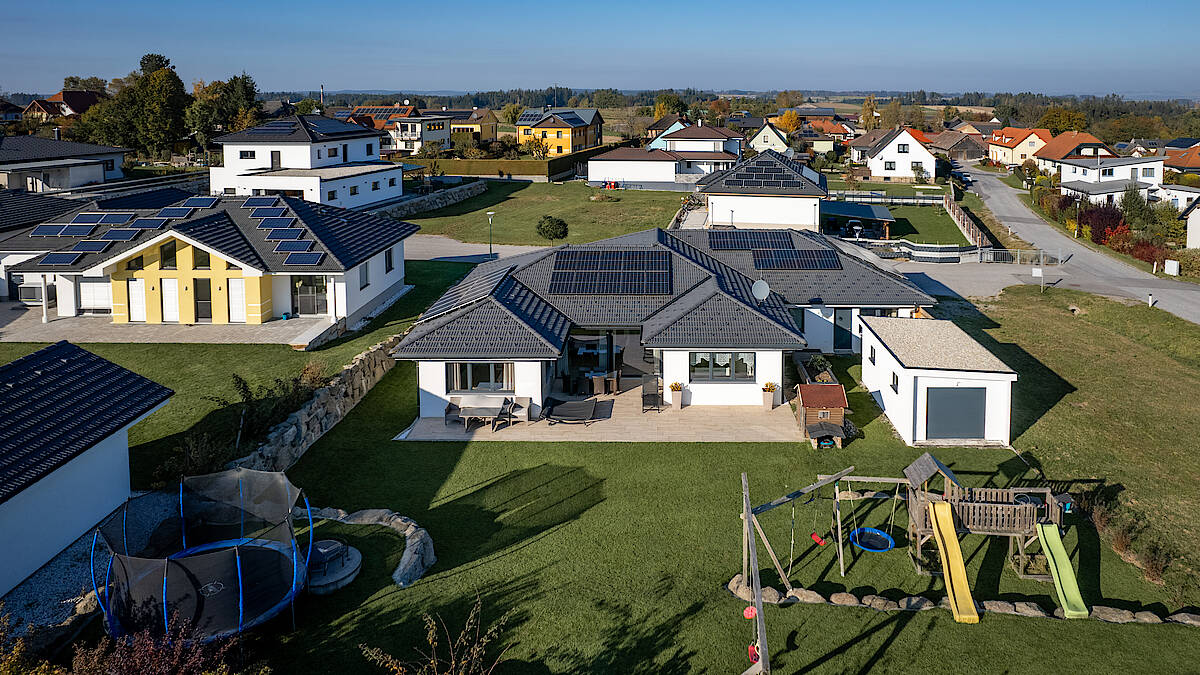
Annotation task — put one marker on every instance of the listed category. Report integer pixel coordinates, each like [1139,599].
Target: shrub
[1154,559]
[1119,239]
[146,652]
[1102,219]
[1189,262]
[1122,538]
[1149,252]
[551,228]
[465,655]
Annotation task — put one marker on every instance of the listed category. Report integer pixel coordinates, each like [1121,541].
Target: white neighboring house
[65,453]
[1191,215]
[957,393]
[1179,196]
[771,138]
[408,129]
[765,191]
[686,155]
[37,164]
[1103,179]
[897,156]
[315,158]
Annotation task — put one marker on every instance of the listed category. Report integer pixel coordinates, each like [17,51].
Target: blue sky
[1071,47]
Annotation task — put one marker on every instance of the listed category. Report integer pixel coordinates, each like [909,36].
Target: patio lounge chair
[613,382]
[572,412]
[452,409]
[506,414]
[651,395]
[598,384]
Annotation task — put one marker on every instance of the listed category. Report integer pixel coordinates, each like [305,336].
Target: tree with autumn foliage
[866,117]
[1058,119]
[788,122]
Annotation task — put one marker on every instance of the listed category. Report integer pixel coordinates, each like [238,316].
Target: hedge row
[515,167]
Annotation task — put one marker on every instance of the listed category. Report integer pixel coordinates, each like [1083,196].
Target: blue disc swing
[871,539]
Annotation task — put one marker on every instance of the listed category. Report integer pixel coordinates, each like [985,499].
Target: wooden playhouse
[821,413]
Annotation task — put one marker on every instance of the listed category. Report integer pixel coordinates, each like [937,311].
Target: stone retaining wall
[437,200]
[738,587]
[287,441]
[418,545]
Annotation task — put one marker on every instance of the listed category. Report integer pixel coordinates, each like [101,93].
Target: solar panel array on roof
[614,261]
[268,212]
[174,212]
[147,223]
[304,258]
[285,233]
[607,272]
[745,240]
[293,246]
[47,230]
[276,222]
[200,202]
[529,117]
[87,218]
[253,202]
[77,230]
[120,234]
[116,218]
[92,246]
[777,259]
[60,258]
[471,289]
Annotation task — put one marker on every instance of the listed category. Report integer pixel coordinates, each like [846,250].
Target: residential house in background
[9,112]
[807,112]
[564,130]
[647,303]
[682,157]
[65,450]
[770,138]
[1012,146]
[817,142]
[1179,196]
[1181,143]
[310,157]
[1103,179]
[39,164]
[1140,147]
[276,108]
[665,124]
[745,124]
[861,145]
[481,123]
[66,103]
[1070,145]
[406,129]
[838,131]
[768,190]
[957,146]
[166,257]
[980,130]
[900,155]
[1191,216]
[1182,161]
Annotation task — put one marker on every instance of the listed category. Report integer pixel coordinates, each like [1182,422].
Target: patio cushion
[481,400]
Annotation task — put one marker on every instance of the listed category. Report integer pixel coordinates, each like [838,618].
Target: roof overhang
[163,236]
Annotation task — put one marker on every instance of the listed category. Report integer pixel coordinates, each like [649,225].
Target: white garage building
[64,450]
[768,190]
[936,384]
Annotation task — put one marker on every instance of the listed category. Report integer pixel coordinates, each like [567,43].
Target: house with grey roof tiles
[37,164]
[767,190]
[679,305]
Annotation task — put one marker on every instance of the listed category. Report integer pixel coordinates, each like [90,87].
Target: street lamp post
[489,215]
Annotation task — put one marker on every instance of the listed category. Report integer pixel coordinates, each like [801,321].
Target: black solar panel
[775,259]
[253,202]
[47,230]
[78,230]
[293,246]
[285,233]
[116,218]
[91,246]
[273,212]
[148,223]
[603,282]
[120,234]
[615,261]
[467,291]
[87,218]
[276,223]
[200,202]
[174,212]
[745,240]
[304,259]
[60,258]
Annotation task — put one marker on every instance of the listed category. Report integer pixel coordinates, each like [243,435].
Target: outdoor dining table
[483,413]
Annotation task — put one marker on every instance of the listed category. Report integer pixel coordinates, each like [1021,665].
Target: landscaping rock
[87,604]
[369,517]
[1146,617]
[439,199]
[880,603]
[1112,614]
[915,604]
[1185,618]
[740,589]
[1029,609]
[806,596]
[1058,613]
[844,600]
[999,607]
[771,595]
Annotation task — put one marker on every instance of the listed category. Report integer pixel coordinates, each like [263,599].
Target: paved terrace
[620,419]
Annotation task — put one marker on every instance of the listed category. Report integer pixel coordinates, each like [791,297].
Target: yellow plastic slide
[953,572]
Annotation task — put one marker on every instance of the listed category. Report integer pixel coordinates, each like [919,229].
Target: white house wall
[877,379]
[8,260]
[903,160]
[997,405]
[44,518]
[801,213]
[631,171]
[381,283]
[768,367]
[530,378]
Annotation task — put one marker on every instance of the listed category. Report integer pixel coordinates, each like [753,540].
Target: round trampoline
[225,561]
[872,540]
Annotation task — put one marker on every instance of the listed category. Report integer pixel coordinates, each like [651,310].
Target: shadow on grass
[497,192]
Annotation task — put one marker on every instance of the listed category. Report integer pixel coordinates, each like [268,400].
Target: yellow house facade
[563,130]
[481,123]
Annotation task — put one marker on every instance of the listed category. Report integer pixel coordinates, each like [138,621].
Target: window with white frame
[1148,172]
[889,166]
[902,148]
[721,366]
[364,275]
[822,414]
[480,378]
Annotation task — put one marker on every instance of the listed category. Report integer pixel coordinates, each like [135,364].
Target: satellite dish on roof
[761,289]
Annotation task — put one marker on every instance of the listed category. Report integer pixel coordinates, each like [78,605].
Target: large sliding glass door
[309,295]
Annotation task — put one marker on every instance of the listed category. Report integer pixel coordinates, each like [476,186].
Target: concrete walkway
[1086,269]
[438,247]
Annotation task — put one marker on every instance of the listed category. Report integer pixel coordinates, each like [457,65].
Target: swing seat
[872,540]
[817,538]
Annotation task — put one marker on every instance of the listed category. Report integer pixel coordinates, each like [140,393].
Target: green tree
[893,114]
[307,106]
[77,83]
[609,98]
[239,93]
[152,63]
[110,122]
[671,103]
[866,117]
[1137,212]
[914,116]
[537,148]
[949,112]
[552,228]
[201,118]
[510,112]
[159,118]
[1058,119]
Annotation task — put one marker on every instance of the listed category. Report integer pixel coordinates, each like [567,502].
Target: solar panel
[596,282]
[120,234]
[285,233]
[252,202]
[469,290]
[87,218]
[303,259]
[200,202]
[293,246]
[116,218]
[91,246]
[47,230]
[276,223]
[615,261]
[148,223]
[60,258]
[822,259]
[77,230]
[267,212]
[745,240]
[174,212]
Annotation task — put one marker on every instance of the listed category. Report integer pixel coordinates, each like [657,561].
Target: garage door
[95,294]
[955,412]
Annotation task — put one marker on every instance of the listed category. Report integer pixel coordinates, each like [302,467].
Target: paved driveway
[437,247]
[1086,269]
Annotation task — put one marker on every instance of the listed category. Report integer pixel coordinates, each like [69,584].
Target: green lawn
[925,225]
[611,557]
[894,189]
[199,372]
[519,206]
[1013,181]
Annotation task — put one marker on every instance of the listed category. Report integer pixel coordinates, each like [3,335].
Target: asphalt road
[1085,269]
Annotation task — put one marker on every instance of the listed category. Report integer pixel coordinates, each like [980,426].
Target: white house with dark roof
[770,138]
[936,384]
[64,450]
[767,190]
[1103,179]
[309,157]
[674,161]
[37,164]
[166,257]
[679,305]
[898,155]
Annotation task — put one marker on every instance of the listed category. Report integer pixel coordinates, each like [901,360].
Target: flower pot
[677,400]
[769,400]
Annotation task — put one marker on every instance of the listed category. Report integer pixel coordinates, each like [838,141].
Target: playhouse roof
[927,466]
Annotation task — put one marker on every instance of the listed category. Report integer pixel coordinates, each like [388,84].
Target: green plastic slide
[1063,573]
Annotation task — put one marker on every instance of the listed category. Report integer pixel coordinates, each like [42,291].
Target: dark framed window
[353,190]
[333,152]
[364,275]
[331,195]
[230,266]
[135,263]
[895,383]
[202,260]
[391,182]
[484,378]
[230,191]
[721,366]
[246,154]
[374,185]
[388,262]
[871,355]
[110,165]
[902,148]
[166,256]
[370,149]
[889,166]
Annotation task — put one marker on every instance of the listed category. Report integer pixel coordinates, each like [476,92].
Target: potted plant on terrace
[768,392]
[677,395]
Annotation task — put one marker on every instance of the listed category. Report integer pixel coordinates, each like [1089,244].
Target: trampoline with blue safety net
[227,559]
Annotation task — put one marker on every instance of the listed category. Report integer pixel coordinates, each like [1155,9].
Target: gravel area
[48,597]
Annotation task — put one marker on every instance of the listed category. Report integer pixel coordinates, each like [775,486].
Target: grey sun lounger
[573,412]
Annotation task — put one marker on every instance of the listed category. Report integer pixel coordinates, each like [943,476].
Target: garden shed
[936,384]
[821,412]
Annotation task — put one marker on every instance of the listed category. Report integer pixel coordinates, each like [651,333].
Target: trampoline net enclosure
[225,561]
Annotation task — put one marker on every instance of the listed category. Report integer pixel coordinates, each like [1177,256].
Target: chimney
[443,108]
[700,122]
[322,96]
[58,133]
